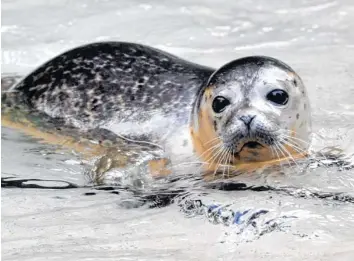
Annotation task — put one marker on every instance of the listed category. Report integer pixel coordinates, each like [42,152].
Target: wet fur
[85,91]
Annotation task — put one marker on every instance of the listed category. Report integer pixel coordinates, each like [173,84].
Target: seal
[251,110]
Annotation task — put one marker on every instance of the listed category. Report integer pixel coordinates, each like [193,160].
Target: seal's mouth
[252,145]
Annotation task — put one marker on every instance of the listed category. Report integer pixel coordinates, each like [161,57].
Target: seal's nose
[247,119]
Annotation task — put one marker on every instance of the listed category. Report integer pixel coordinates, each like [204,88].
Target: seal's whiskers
[223,151]
[229,163]
[289,155]
[282,152]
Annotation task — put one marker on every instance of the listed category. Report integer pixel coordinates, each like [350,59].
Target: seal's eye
[277,96]
[220,103]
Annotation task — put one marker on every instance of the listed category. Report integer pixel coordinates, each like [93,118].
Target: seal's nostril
[247,119]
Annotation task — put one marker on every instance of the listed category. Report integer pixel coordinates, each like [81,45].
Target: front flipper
[128,162]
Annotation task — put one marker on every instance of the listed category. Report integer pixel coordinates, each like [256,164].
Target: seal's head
[251,111]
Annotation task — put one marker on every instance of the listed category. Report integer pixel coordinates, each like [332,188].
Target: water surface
[314,37]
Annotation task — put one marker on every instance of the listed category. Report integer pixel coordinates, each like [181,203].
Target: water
[314,37]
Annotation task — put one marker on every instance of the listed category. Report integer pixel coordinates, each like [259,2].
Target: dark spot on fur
[295,82]
[86,115]
[132,97]
[205,98]
[289,117]
[215,125]
[95,108]
[77,104]
[297,116]
[305,106]
[99,90]
[228,121]
[139,92]
[128,91]
[63,96]
[141,81]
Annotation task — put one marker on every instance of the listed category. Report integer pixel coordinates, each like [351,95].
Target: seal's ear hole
[219,104]
[279,97]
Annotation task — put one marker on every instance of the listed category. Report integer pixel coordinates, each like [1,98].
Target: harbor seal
[251,110]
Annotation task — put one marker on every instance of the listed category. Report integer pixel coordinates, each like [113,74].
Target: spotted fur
[100,82]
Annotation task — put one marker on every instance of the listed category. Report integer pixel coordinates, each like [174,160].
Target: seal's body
[103,83]
[244,109]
